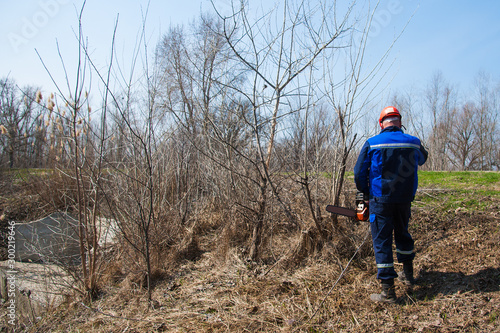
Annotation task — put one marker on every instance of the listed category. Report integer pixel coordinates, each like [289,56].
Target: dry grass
[294,288]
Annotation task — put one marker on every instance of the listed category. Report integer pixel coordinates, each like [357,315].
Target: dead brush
[235,235]
[35,194]
[188,248]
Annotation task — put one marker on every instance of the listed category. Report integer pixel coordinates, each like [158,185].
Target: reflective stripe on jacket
[387,166]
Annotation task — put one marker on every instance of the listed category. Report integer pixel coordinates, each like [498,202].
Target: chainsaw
[361,213]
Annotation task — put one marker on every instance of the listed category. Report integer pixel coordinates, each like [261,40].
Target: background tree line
[253,121]
[461,131]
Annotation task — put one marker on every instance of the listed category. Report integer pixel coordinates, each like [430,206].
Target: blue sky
[458,38]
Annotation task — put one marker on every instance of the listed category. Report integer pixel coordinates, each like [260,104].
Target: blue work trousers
[387,219]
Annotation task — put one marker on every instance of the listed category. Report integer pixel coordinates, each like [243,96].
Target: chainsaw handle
[362,207]
[364,214]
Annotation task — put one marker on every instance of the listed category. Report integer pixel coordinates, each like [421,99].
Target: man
[386,170]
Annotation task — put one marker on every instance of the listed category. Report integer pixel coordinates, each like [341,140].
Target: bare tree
[276,49]
[18,117]
[200,88]
[464,144]
[441,102]
[486,120]
[73,135]
[148,181]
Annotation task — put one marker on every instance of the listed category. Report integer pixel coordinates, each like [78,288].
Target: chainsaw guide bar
[341,211]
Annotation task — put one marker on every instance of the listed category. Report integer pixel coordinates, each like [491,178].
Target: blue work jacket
[387,166]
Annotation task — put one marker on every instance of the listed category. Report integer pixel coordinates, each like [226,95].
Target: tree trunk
[258,227]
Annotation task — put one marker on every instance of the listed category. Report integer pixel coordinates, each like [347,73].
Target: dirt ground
[458,288]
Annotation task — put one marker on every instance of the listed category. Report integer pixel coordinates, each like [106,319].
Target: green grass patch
[459,179]
[466,190]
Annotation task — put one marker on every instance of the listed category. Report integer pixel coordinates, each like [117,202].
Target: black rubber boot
[388,294]
[406,276]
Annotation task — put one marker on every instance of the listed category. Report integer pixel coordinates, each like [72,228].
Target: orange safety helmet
[387,112]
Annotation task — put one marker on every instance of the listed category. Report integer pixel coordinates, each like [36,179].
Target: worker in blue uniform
[386,171]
